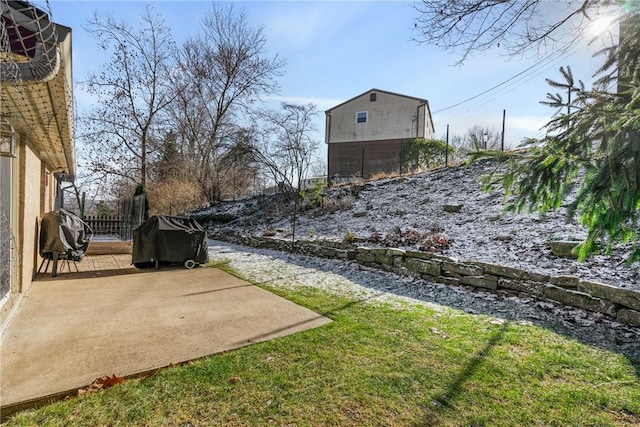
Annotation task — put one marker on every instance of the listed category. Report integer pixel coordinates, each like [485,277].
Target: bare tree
[481,138]
[286,149]
[472,26]
[318,167]
[224,71]
[287,144]
[475,138]
[122,132]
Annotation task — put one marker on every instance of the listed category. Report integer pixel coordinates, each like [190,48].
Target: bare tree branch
[133,92]
[472,26]
[224,70]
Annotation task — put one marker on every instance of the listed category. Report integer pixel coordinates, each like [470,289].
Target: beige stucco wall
[390,116]
[33,195]
[32,198]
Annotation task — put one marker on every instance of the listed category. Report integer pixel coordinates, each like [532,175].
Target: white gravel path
[352,280]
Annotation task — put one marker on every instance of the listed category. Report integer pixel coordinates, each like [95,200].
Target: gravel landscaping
[449,203]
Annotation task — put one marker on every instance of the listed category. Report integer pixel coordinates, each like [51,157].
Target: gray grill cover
[169,239]
[64,233]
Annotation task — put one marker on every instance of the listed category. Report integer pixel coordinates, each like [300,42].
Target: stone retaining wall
[621,304]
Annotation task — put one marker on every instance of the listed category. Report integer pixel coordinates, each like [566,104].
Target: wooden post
[504,115]
[446,150]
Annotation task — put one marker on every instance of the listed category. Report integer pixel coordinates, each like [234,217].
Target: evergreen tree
[171,164]
[590,157]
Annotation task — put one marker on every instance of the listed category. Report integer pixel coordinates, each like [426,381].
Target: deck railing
[112,225]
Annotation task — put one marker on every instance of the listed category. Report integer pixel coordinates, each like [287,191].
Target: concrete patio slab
[77,327]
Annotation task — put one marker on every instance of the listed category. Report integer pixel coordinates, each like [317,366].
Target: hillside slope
[447,209]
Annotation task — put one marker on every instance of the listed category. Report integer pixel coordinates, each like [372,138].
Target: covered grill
[169,239]
[63,236]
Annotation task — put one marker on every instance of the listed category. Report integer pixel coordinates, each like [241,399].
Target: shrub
[421,153]
[349,236]
[335,205]
[211,218]
[312,196]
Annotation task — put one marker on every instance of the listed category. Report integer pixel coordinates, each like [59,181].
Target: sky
[335,50]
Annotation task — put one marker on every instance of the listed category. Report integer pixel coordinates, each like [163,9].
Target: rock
[453,208]
[564,248]
[462,269]
[489,282]
[447,280]
[629,317]
[365,255]
[429,255]
[580,300]
[431,268]
[510,272]
[625,297]
[326,252]
[528,287]
[565,281]
[394,252]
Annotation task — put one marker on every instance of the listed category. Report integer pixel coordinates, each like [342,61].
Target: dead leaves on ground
[101,384]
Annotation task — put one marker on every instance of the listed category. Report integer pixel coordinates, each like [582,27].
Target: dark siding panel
[364,158]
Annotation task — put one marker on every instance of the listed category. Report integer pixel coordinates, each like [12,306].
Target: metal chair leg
[54,270]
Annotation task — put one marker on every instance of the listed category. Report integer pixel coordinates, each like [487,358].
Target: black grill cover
[64,233]
[169,239]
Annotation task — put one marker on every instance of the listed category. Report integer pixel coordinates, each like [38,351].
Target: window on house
[361,117]
[372,97]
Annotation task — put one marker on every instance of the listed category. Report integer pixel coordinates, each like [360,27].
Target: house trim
[378,91]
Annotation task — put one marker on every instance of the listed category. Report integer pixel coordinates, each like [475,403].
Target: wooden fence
[131,213]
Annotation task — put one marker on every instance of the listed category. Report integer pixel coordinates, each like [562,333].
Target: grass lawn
[377,365]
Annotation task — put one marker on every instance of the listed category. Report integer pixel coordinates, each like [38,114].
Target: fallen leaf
[101,383]
[438,332]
